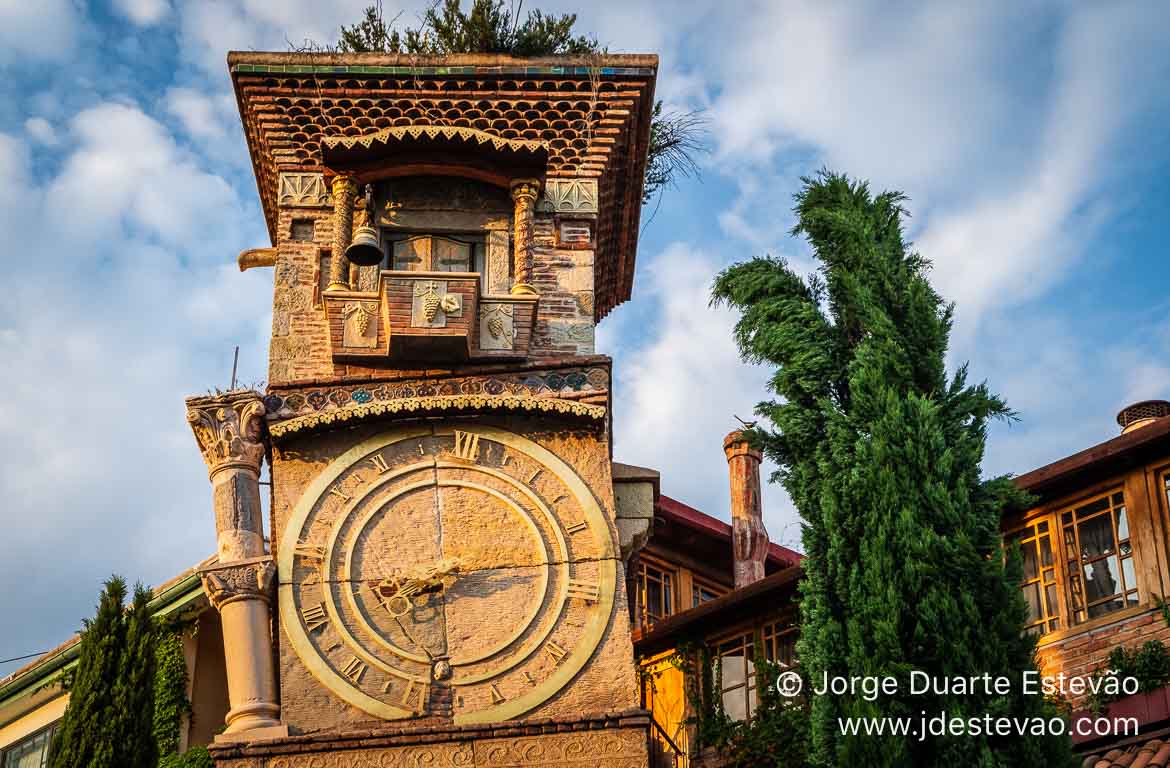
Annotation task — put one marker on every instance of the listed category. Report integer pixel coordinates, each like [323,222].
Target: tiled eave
[1099,461]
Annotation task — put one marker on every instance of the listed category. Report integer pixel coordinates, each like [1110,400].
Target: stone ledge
[392,736]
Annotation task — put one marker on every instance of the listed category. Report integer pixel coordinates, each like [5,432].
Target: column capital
[526,190]
[230,429]
[245,580]
[343,184]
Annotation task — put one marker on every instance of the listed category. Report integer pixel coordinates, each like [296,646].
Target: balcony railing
[428,316]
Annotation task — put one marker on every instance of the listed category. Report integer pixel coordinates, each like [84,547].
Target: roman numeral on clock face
[339,493]
[588,591]
[379,463]
[555,651]
[497,697]
[466,446]
[309,551]
[354,669]
[577,527]
[315,616]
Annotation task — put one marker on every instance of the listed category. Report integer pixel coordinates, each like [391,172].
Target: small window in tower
[302,230]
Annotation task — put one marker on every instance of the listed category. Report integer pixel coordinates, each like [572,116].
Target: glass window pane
[1118,499]
[1045,551]
[1050,596]
[653,598]
[1096,537]
[1099,505]
[1128,572]
[1122,524]
[1109,606]
[1032,597]
[733,669]
[735,703]
[1031,564]
[1102,579]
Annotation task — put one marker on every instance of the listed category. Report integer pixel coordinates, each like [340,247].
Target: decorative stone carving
[496,326]
[570,196]
[229,429]
[572,391]
[250,580]
[497,262]
[303,190]
[432,304]
[599,748]
[524,192]
[344,191]
[361,328]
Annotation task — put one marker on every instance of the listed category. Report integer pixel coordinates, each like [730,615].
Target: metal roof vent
[1140,414]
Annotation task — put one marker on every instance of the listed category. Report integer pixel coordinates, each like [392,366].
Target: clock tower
[444,582]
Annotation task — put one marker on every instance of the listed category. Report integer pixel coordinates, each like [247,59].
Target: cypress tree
[133,715]
[84,737]
[880,451]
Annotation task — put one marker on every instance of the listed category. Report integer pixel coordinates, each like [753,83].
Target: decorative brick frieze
[569,391]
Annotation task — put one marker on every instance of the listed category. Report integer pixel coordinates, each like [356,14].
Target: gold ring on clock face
[471,560]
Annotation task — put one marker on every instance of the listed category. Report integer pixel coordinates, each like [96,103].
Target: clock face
[465,573]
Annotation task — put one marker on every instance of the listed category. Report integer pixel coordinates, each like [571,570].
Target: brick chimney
[749,538]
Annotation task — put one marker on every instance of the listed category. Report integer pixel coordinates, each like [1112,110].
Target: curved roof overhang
[435,150]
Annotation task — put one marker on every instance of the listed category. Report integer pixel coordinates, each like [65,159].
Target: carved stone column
[230,431]
[344,191]
[524,194]
[749,538]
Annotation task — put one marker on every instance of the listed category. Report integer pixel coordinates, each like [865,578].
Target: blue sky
[1031,138]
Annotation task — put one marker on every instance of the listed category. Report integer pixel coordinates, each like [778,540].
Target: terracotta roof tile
[1154,753]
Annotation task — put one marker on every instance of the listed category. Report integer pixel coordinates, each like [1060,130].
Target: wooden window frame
[5,752]
[746,640]
[700,584]
[1052,617]
[1067,520]
[772,634]
[670,600]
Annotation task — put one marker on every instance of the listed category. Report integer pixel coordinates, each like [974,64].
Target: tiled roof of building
[683,514]
[1154,753]
[1082,467]
[589,117]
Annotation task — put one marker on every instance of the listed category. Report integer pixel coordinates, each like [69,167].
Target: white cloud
[44,30]
[107,261]
[129,174]
[203,116]
[679,393]
[144,13]
[211,28]
[41,130]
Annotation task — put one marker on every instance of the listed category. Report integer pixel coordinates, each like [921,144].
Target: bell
[365,250]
